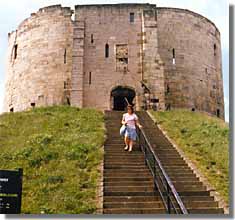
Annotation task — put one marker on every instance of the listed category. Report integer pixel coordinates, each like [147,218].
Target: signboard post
[10,191]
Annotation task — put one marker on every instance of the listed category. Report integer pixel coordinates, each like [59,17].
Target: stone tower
[159,58]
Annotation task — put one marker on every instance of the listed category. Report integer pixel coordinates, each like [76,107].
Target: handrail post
[154,173]
[168,200]
[139,134]
[145,152]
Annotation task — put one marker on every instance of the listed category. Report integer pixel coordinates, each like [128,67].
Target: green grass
[59,149]
[205,140]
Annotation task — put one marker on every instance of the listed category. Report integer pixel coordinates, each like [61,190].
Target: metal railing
[162,182]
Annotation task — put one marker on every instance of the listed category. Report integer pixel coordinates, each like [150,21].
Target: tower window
[218,113]
[214,49]
[68,101]
[92,38]
[15,51]
[33,104]
[132,17]
[173,55]
[106,51]
[65,56]
[89,78]
[11,109]
[167,89]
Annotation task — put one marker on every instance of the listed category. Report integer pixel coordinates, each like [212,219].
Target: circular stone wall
[39,60]
[189,45]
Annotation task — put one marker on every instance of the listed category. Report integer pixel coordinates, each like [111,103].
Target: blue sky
[12,12]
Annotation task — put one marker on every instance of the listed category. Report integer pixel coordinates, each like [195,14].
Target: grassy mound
[204,139]
[59,149]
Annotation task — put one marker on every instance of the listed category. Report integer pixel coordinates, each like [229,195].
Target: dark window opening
[106,51]
[92,39]
[65,56]
[68,101]
[168,107]
[65,85]
[173,55]
[167,89]
[11,109]
[154,100]
[33,104]
[214,49]
[218,113]
[15,51]
[89,78]
[132,17]
[193,109]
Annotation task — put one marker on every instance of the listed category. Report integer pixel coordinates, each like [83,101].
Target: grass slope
[204,139]
[59,149]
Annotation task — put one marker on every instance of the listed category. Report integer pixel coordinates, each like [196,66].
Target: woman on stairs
[130,120]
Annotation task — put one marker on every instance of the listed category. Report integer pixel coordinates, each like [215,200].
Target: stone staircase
[128,183]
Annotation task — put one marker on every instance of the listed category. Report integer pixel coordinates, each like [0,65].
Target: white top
[130,119]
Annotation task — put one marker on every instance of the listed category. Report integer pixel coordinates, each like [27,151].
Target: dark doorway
[119,94]
[218,113]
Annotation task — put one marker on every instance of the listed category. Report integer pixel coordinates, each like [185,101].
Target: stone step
[128,167]
[124,170]
[125,179]
[134,211]
[185,199]
[183,178]
[190,205]
[126,156]
[126,174]
[194,193]
[130,183]
[185,188]
[206,211]
[124,160]
[124,163]
[140,205]
[128,193]
[131,198]
[129,188]
[149,188]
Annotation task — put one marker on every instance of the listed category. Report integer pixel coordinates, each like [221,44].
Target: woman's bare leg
[131,143]
[127,142]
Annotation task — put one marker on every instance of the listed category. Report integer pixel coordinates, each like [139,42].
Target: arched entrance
[119,94]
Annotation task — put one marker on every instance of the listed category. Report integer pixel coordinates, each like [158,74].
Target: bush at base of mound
[59,149]
[205,141]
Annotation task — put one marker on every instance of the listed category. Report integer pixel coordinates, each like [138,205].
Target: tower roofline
[115,5]
[189,12]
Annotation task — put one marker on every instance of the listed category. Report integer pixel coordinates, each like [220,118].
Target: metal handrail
[173,200]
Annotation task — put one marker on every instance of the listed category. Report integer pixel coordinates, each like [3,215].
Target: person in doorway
[130,120]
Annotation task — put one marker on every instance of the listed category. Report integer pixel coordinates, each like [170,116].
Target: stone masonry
[170,58]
